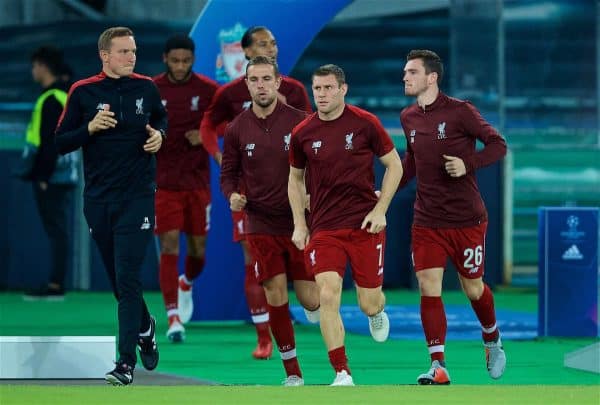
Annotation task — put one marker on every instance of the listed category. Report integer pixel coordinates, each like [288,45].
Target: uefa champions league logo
[572,232]
[231,61]
[572,223]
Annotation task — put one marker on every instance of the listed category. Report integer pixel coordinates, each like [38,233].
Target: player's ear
[103,55]
[432,78]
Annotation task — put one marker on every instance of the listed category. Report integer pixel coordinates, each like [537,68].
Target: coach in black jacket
[117,118]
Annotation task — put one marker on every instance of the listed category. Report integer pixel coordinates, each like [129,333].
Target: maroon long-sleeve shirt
[448,126]
[255,159]
[179,165]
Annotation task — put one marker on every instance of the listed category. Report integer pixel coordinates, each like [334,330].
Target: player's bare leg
[307,293]
[372,303]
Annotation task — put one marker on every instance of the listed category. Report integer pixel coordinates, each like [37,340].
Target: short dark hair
[331,69]
[263,60]
[50,56]
[179,41]
[431,61]
[247,39]
[104,41]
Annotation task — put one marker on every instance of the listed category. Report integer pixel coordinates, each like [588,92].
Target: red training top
[338,158]
[255,159]
[181,166]
[448,126]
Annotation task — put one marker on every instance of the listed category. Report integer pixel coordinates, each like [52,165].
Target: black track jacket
[115,165]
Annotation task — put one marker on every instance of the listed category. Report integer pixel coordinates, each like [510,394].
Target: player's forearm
[159,119]
[161,125]
[228,187]
[229,181]
[230,169]
[477,126]
[209,135]
[297,197]
[389,184]
[71,140]
[492,152]
[408,170]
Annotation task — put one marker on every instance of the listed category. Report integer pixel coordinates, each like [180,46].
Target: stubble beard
[265,104]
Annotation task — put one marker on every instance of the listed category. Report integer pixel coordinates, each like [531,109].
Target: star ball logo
[572,233]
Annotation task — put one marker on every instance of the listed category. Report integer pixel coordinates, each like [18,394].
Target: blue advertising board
[568,271]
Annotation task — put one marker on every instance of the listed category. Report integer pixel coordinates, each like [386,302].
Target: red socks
[338,359]
[184,283]
[174,318]
[168,276]
[193,267]
[433,318]
[484,309]
[283,331]
[257,303]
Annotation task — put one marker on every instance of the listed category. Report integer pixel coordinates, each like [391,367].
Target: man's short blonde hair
[104,41]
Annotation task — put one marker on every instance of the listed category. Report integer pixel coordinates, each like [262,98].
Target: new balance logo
[102,106]
[316,145]
[313,257]
[474,270]
[194,103]
[380,271]
[145,224]
[286,141]
[572,253]
[256,269]
[246,105]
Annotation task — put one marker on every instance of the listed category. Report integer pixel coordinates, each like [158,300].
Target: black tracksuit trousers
[122,231]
